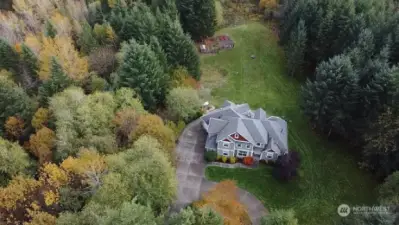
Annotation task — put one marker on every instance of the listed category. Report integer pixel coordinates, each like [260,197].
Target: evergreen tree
[8,56]
[30,61]
[295,49]
[198,17]
[329,100]
[142,71]
[56,83]
[137,22]
[157,48]
[86,40]
[14,102]
[50,31]
[179,49]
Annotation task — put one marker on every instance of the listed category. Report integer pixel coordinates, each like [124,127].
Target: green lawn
[329,175]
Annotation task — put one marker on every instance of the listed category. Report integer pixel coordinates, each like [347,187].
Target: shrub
[183,103]
[286,166]
[232,159]
[224,159]
[218,157]
[248,160]
[211,156]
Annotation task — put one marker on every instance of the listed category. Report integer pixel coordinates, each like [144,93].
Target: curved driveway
[190,173]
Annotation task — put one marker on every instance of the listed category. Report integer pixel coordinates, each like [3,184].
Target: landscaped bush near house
[233,159]
[218,157]
[287,166]
[224,159]
[211,156]
[248,160]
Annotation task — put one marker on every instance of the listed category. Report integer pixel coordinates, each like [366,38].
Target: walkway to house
[190,174]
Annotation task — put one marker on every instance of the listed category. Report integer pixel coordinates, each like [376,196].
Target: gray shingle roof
[216,125]
[260,114]
[234,125]
[257,131]
[233,118]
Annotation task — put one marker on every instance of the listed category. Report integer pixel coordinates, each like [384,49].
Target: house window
[257,144]
[239,145]
[269,155]
[225,144]
[225,153]
[242,153]
[248,146]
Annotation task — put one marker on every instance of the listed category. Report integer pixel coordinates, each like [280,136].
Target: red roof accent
[226,140]
[239,138]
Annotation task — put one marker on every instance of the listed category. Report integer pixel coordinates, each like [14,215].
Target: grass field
[329,175]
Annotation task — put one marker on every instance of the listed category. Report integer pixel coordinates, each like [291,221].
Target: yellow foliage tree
[153,125]
[14,127]
[62,24]
[34,43]
[62,48]
[89,166]
[223,198]
[40,118]
[53,176]
[41,143]
[268,4]
[41,218]
[16,191]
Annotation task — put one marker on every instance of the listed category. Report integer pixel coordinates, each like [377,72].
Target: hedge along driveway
[329,174]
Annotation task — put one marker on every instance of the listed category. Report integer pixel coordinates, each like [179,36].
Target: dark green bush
[210,156]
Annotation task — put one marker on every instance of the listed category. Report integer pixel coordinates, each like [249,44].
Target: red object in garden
[248,160]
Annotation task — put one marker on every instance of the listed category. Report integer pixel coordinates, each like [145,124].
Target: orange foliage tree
[125,122]
[41,144]
[14,127]
[223,198]
[153,125]
[268,4]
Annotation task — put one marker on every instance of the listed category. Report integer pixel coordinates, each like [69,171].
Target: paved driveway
[190,173]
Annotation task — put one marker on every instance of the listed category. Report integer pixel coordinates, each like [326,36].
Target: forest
[347,51]
[95,93]
[93,96]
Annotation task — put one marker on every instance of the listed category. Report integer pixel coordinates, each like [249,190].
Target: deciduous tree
[183,104]
[153,125]
[42,143]
[40,118]
[14,127]
[13,159]
[223,199]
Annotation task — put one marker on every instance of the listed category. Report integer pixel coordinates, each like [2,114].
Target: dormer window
[258,144]
[236,135]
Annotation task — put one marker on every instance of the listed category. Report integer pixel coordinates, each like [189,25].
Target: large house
[236,130]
